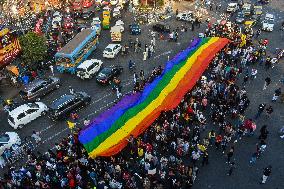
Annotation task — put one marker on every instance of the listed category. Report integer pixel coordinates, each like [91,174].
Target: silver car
[39,88]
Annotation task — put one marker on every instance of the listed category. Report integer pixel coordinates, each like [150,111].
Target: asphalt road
[213,176]
[102,96]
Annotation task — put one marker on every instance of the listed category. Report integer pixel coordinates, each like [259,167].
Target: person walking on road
[232,166]
[36,137]
[277,93]
[135,77]
[144,55]
[267,81]
[261,107]
[51,69]
[71,90]
[205,158]
[263,133]
[230,154]
[192,26]
[269,111]
[266,174]
[118,93]
[142,76]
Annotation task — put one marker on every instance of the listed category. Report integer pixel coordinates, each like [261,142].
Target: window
[33,105]
[37,88]
[71,103]
[21,115]
[11,119]
[91,67]
[30,111]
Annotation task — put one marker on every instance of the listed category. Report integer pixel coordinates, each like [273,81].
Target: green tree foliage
[160,3]
[34,48]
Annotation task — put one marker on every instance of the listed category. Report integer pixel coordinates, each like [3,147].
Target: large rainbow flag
[108,133]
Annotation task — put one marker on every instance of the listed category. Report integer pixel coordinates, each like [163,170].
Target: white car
[89,68]
[120,24]
[186,16]
[111,50]
[232,7]
[113,2]
[26,113]
[7,140]
[268,22]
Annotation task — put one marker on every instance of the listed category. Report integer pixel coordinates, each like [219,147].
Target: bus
[9,46]
[76,51]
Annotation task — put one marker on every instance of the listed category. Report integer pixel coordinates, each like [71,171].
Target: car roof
[87,63]
[19,110]
[33,84]
[61,100]
[269,15]
[111,45]
[232,4]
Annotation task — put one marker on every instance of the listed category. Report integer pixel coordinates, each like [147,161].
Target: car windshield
[81,69]
[4,138]
[101,75]
[33,105]
[108,49]
[106,71]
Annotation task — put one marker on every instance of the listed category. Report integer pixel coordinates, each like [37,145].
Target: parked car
[240,17]
[246,9]
[111,50]
[26,113]
[39,88]
[161,27]
[135,29]
[268,22]
[89,68]
[120,24]
[7,140]
[107,74]
[257,10]
[62,107]
[186,16]
[232,7]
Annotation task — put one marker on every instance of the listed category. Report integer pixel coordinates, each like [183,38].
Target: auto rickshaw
[106,24]
[248,27]
[106,14]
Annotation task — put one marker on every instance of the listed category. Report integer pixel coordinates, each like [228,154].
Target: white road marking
[163,54]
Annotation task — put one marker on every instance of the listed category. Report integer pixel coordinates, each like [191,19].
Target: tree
[34,47]
[159,3]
